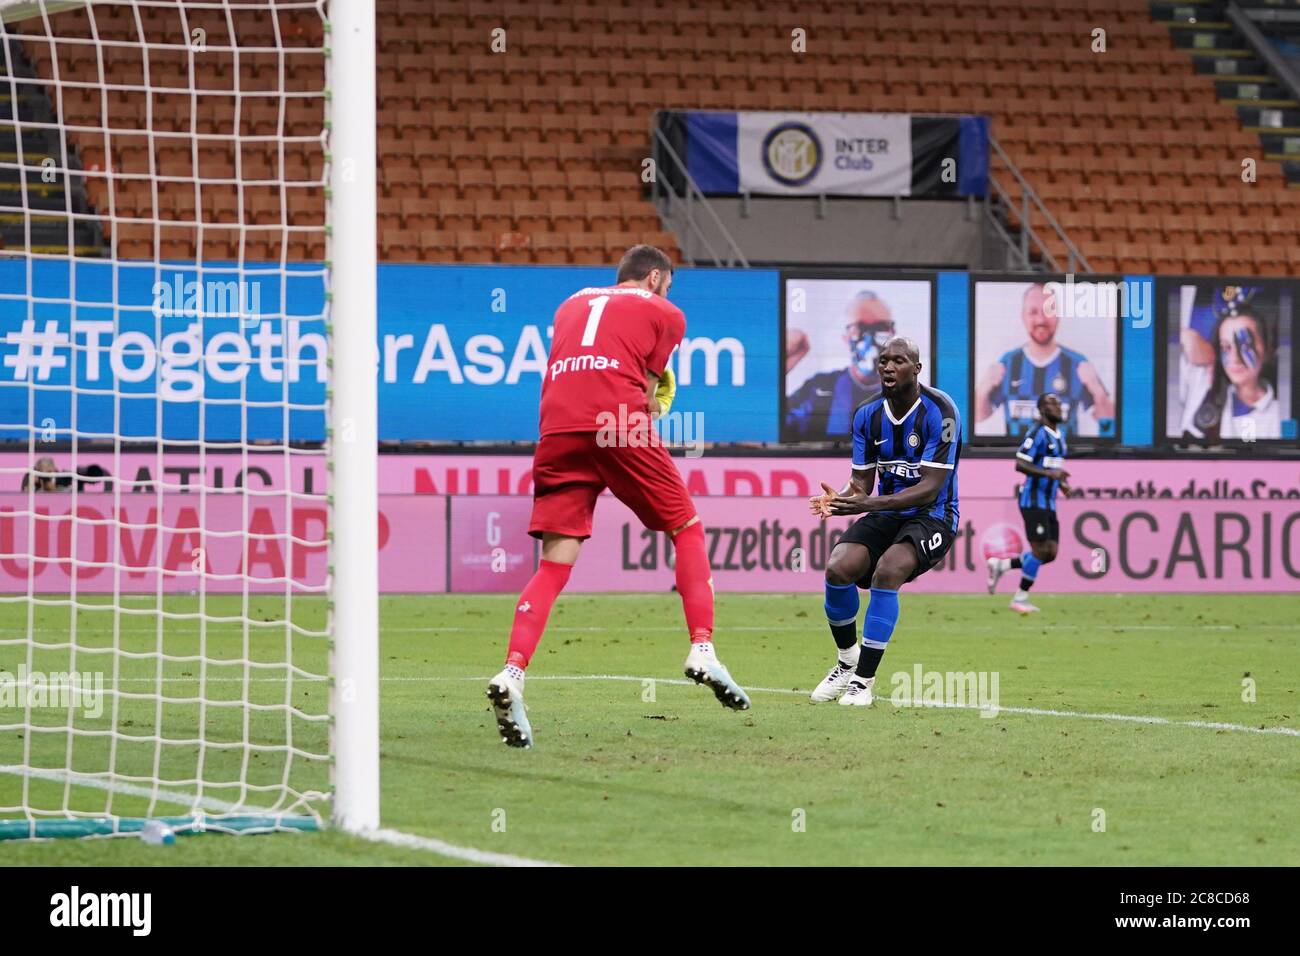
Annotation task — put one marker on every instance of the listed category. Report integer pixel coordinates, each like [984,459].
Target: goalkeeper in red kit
[607,377]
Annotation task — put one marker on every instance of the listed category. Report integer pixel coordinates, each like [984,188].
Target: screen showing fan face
[1229,355]
[834,331]
[1032,337]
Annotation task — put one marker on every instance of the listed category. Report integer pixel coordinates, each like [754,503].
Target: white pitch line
[442,848]
[657,629]
[189,800]
[173,797]
[1031,711]
[274,634]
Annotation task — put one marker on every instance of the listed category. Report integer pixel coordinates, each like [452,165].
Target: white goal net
[165,442]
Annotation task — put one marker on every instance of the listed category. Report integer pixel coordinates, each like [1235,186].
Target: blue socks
[882,615]
[842,614]
[1029,565]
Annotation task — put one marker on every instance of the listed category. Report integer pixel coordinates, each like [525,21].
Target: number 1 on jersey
[593,320]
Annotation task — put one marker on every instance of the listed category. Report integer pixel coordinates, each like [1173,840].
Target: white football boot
[1023,607]
[507,696]
[703,667]
[835,683]
[858,694]
[996,570]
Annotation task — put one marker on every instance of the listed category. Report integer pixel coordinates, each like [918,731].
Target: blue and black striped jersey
[1023,381]
[929,435]
[1046,449]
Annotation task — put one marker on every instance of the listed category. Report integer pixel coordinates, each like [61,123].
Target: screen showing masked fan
[1035,337]
[1229,353]
[834,331]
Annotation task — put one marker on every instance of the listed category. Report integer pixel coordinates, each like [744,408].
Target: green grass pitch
[629,772]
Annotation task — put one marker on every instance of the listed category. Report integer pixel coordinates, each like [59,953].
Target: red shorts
[570,470]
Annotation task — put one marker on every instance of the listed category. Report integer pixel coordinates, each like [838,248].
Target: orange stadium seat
[534,156]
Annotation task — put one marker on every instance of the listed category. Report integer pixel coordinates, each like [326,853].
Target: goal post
[355,437]
[188,417]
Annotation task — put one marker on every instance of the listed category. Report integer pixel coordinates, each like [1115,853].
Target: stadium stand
[491,157]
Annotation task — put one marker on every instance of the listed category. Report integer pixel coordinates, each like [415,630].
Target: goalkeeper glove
[666,391]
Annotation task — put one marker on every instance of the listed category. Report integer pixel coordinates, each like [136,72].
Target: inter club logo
[792,154]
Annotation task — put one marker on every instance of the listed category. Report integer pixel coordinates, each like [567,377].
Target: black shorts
[930,538]
[1041,524]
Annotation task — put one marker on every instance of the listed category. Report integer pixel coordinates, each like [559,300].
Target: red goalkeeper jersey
[606,343]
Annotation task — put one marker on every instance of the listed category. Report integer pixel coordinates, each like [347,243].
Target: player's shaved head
[909,347]
[899,364]
[639,261]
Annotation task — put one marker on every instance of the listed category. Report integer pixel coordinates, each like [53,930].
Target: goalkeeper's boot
[507,696]
[703,667]
[858,693]
[835,683]
[996,570]
[1023,607]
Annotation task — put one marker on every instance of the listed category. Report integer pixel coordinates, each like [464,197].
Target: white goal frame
[350,447]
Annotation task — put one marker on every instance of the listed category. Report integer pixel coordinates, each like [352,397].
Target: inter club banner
[848,154]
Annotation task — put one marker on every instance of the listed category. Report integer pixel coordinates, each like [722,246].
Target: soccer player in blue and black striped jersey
[1040,459]
[909,437]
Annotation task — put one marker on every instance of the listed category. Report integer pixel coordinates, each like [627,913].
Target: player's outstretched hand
[833,505]
[842,505]
[820,504]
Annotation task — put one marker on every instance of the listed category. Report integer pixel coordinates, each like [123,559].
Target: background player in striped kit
[911,435]
[1042,364]
[1039,459]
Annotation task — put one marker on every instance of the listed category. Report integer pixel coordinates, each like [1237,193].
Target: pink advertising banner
[422,474]
[1133,525]
[490,546]
[1106,546]
[271,545]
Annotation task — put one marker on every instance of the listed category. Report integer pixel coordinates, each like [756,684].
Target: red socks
[534,608]
[695,582]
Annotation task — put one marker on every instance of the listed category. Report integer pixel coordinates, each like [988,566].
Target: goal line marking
[398,838]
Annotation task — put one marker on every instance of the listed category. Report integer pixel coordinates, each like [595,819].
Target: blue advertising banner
[233,355]
[465,348]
